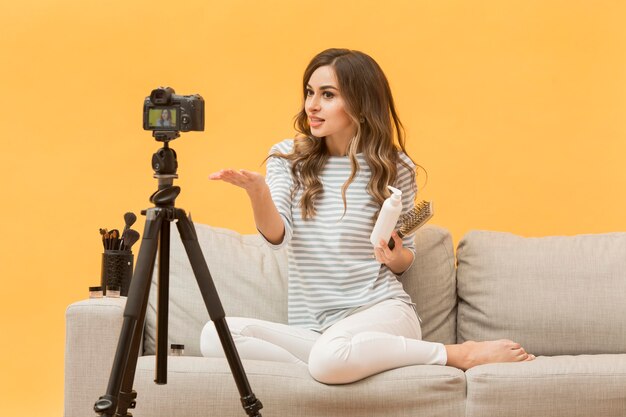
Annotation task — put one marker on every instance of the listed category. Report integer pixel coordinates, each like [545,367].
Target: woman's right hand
[252,182]
[266,216]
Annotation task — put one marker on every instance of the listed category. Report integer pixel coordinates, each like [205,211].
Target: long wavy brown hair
[379,136]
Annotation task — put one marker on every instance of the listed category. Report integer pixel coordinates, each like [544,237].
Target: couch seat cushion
[559,386]
[197,387]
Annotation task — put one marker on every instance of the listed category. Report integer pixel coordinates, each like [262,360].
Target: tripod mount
[120,395]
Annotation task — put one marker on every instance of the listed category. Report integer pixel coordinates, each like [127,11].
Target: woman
[349,316]
[165,120]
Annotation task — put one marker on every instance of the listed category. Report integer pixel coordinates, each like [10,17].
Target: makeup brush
[129,219]
[130,238]
[103,232]
[107,240]
[115,234]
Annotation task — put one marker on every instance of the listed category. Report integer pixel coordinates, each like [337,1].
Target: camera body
[165,111]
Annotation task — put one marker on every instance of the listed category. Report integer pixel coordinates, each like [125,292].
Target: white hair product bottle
[387,218]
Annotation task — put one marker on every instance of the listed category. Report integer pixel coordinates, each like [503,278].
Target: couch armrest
[92,331]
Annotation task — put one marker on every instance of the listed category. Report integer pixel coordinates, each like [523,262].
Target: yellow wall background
[517,109]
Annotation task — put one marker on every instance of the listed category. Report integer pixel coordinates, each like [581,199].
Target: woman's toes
[506,343]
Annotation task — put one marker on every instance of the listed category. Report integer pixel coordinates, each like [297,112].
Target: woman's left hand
[384,255]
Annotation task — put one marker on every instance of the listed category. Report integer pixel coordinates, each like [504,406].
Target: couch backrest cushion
[558,295]
[431,283]
[251,280]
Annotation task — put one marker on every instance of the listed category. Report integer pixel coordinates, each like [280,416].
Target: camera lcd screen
[165,118]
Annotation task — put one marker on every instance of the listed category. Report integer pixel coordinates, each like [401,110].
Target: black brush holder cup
[117,270]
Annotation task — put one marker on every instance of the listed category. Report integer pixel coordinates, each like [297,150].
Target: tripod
[120,396]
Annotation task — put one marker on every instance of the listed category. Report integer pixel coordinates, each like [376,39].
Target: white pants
[371,340]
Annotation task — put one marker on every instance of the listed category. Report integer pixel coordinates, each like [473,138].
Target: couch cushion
[559,386]
[201,387]
[431,283]
[555,295]
[250,277]
[251,280]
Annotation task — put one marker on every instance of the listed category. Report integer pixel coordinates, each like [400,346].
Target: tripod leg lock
[105,405]
[251,405]
[127,400]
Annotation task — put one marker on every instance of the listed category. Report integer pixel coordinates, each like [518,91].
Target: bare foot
[469,354]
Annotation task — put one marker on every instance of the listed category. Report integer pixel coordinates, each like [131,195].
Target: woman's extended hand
[252,182]
[268,220]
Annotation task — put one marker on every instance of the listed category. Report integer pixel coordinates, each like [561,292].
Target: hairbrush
[413,220]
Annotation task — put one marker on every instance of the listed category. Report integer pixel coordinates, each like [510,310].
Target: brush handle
[392,243]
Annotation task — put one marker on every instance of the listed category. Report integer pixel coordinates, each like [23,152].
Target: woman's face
[165,114]
[326,108]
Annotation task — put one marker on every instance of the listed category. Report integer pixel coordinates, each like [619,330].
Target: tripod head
[165,164]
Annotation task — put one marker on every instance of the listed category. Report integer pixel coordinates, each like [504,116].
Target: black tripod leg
[163,299]
[119,395]
[214,306]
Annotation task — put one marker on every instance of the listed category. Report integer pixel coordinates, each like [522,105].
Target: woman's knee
[330,360]
[210,343]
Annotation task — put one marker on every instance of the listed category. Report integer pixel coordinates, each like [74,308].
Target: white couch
[563,298]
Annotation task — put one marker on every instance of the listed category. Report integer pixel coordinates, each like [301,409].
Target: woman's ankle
[458,356]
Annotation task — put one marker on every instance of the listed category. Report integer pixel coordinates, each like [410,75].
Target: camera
[165,111]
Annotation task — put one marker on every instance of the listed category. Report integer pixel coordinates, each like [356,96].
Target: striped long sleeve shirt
[331,268]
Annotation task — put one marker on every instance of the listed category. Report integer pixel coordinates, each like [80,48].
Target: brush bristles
[415,218]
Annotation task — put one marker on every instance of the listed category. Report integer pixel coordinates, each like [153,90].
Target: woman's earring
[361,119]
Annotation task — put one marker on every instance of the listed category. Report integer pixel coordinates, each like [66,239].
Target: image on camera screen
[162,117]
